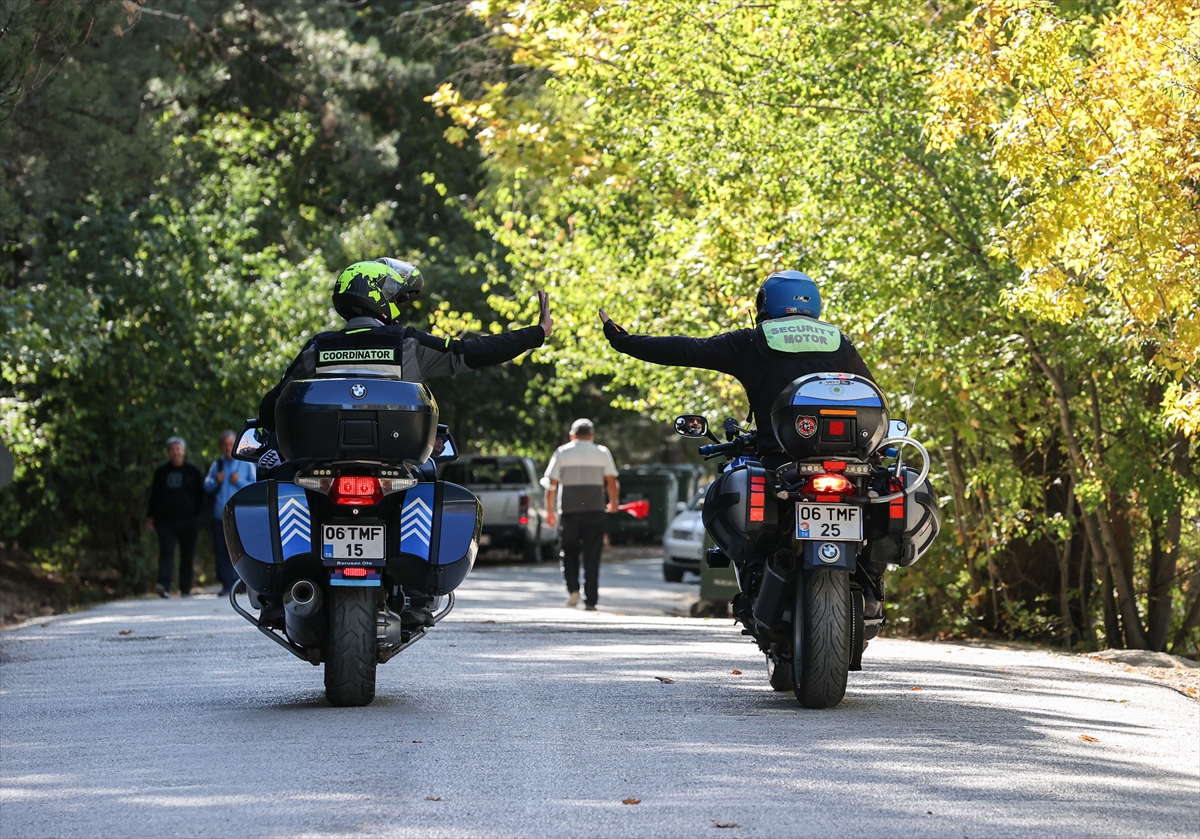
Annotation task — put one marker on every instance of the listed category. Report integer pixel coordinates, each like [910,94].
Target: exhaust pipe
[303,614]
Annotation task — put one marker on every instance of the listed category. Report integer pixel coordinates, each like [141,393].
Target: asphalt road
[519,717]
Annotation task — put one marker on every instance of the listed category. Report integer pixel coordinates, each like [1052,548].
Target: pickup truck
[514,510]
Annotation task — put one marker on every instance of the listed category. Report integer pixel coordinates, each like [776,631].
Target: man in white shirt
[586,473]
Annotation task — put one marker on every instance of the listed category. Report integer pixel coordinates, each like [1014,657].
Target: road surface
[519,717]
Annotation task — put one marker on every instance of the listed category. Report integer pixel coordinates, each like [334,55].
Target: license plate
[826,522]
[352,541]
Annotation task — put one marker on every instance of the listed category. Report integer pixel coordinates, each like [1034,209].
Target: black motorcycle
[809,539]
[350,549]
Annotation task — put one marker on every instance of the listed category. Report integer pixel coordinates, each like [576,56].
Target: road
[519,717]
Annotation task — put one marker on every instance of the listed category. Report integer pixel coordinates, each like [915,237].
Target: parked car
[683,543]
[514,511]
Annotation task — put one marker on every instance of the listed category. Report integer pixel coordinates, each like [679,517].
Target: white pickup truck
[514,511]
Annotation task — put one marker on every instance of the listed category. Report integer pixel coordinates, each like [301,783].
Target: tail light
[523,504]
[356,490]
[829,487]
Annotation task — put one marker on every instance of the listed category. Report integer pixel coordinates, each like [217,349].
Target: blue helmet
[788,293]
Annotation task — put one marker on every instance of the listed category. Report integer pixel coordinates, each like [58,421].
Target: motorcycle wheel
[821,637]
[779,674]
[350,661]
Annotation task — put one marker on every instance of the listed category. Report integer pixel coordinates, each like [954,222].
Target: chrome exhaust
[303,614]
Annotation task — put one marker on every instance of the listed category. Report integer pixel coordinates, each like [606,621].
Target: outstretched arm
[447,356]
[721,352]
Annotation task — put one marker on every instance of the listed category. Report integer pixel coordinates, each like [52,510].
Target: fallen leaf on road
[918,688]
[418,741]
[665,680]
[735,672]
[1088,739]
[631,801]
[724,824]
[487,621]
[433,798]
[125,632]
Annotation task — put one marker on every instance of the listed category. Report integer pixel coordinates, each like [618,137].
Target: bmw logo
[358,391]
[829,552]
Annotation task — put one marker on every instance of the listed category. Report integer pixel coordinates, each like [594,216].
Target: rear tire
[821,637]
[672,574]
[350,661]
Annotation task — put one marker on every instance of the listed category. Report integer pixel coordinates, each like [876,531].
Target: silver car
[683,543]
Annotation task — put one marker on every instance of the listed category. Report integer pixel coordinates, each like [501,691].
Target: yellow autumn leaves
[1097,126]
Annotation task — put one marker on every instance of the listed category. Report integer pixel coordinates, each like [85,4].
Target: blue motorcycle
[349,550]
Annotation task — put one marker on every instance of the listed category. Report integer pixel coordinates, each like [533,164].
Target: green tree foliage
[679,153]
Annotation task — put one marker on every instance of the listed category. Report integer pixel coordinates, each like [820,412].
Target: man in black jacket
[369,295]
[176,501]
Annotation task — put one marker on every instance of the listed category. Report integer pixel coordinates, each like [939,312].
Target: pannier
[356,419]
[830,414]
[902,531]
[740,511]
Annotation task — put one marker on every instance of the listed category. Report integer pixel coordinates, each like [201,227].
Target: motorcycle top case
[356,419]
[431,544]
[830,414]
[740,511]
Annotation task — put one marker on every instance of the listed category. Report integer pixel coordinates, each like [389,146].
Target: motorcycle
[801,536]
[350,549]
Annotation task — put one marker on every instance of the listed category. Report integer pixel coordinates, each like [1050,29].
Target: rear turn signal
[356,491]
[829,485]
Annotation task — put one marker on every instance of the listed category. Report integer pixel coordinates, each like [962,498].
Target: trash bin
[688,475]
[653,485]
[717,585]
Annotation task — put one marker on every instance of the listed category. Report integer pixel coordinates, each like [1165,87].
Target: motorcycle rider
[369,295]
[788,341]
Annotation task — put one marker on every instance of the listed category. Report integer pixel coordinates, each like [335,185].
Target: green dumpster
[654,485]
[717,585]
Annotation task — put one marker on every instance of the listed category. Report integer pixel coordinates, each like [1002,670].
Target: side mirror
[252,443]
[691,425]
[897,428]
[444,450]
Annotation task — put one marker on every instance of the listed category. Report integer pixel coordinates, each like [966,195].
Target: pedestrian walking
[176,502]
[225,477]
[587,474]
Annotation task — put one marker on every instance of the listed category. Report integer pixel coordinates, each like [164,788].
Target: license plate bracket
[827,522]
[355,542]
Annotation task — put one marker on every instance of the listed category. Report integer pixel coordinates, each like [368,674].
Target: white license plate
[826,522]
[352,541]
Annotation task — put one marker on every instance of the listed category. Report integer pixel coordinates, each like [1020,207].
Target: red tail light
[356,491]
[354,572]
[834,485]
[523,504]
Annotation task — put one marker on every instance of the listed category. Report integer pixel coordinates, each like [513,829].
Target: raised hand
[545,322]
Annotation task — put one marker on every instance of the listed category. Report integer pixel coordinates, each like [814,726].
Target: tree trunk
[1164,557]
[1085,589]
[1126,602]
[1112,624]
[1190,621]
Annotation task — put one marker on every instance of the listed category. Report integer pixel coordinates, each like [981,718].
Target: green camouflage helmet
[376,289]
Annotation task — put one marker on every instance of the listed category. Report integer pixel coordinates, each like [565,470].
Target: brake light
[827,484]
[523,504]
[356,490]
[354,572]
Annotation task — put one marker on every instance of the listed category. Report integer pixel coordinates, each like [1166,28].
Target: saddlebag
[902,531]
[741,512]
[356,419]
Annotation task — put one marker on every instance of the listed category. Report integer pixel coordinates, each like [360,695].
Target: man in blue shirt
[225,477]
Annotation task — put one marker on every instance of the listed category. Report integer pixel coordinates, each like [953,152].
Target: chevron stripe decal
[295,523]
[416,521]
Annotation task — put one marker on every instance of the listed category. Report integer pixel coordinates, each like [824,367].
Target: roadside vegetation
[1000,203]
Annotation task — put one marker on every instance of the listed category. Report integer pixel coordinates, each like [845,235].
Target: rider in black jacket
[369,295]
[787,342]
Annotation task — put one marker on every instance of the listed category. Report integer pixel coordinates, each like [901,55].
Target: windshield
[487,470]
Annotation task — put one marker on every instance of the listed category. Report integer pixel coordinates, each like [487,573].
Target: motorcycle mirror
[897,428]
[251,443]
[691,425]
[444,450]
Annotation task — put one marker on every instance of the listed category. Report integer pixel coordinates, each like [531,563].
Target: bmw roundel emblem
[358,391]
[829,552]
